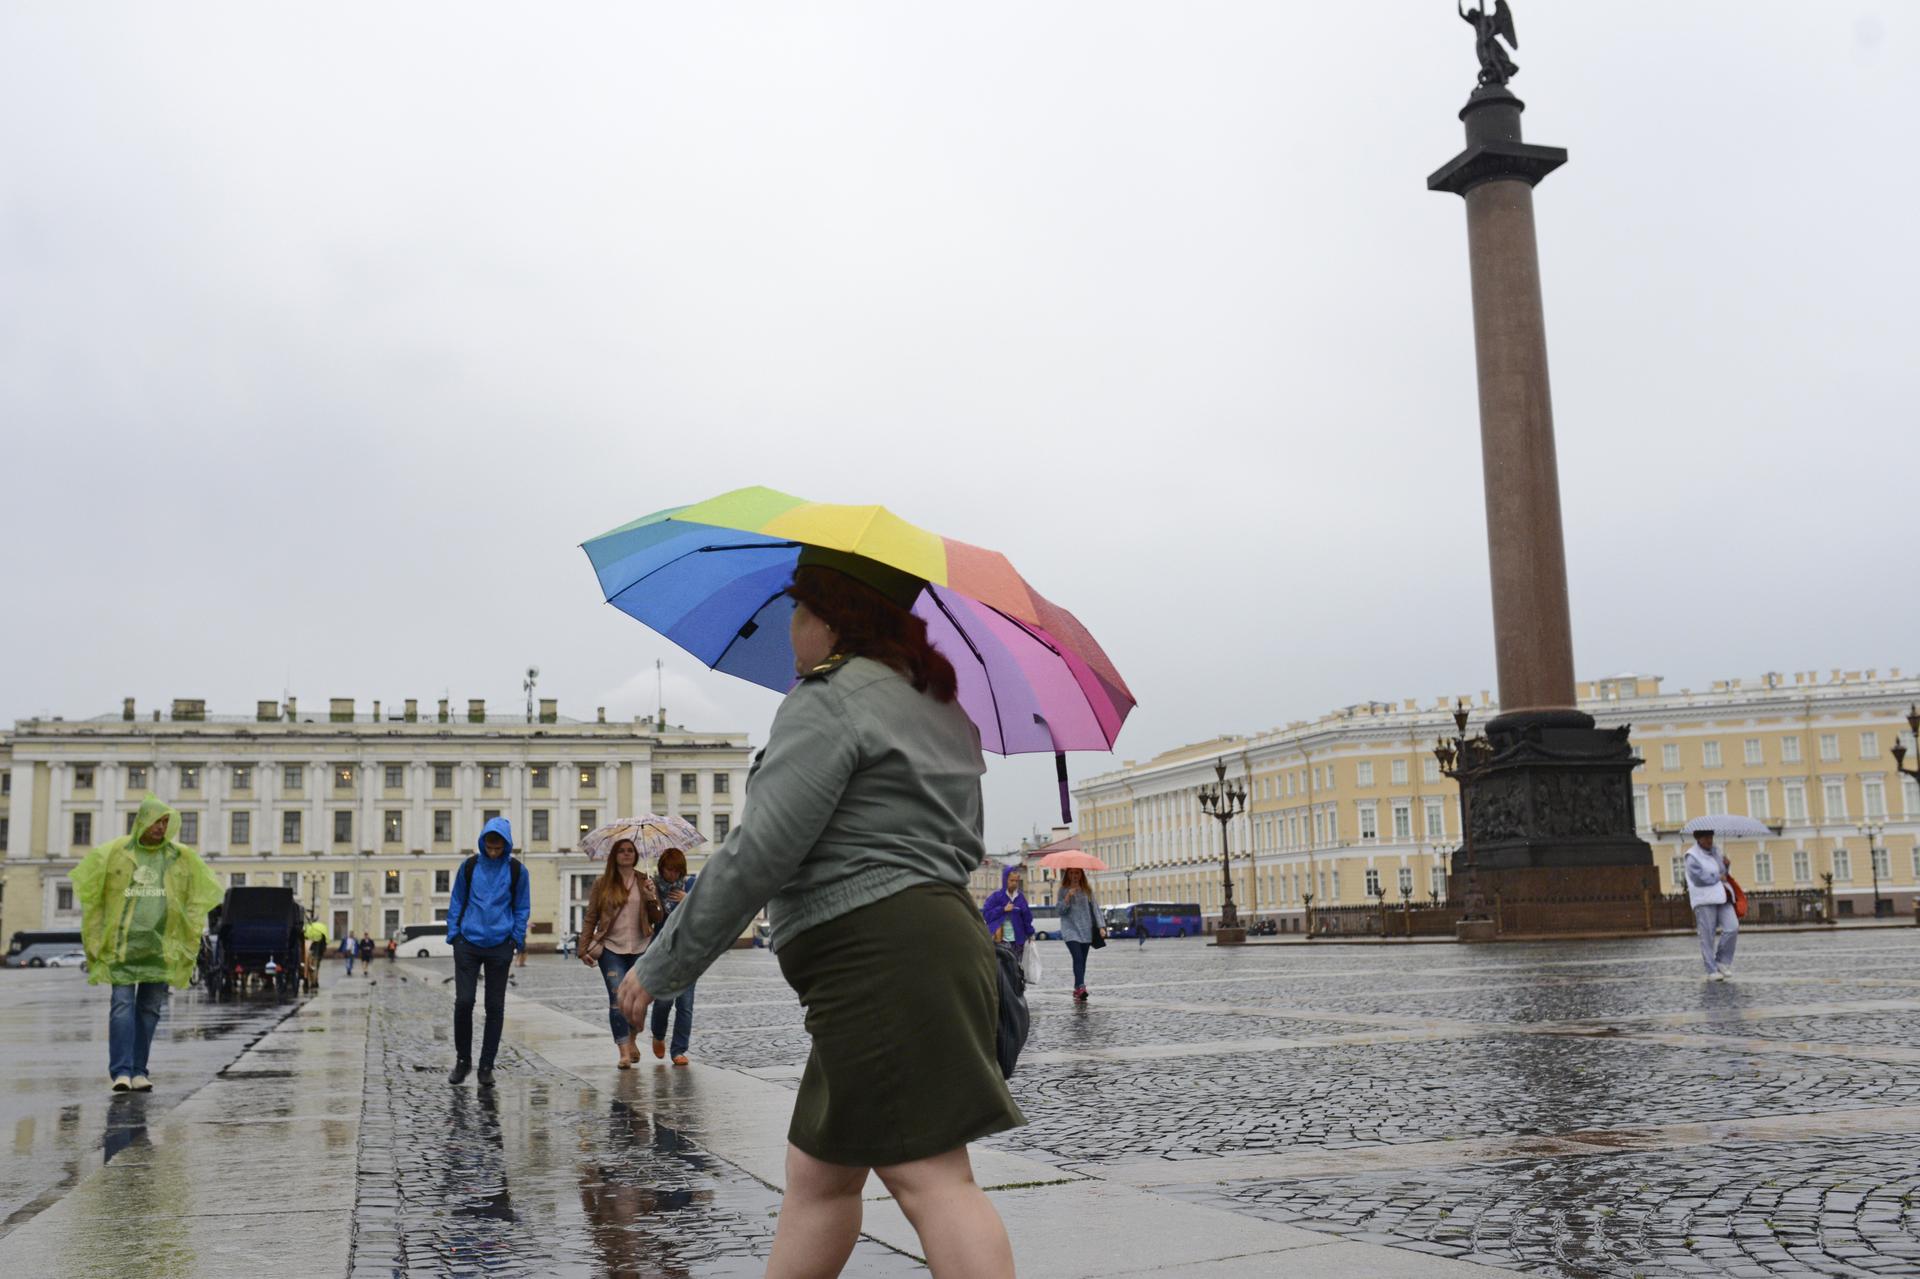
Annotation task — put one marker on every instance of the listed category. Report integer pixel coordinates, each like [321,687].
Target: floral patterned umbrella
[651,833]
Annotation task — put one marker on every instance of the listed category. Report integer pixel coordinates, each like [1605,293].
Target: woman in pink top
[622,913]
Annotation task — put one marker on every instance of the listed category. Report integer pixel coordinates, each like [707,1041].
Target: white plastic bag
[1030,964]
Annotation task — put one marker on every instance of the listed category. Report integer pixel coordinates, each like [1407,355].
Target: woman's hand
[633,997]
[676,896]
[588,960]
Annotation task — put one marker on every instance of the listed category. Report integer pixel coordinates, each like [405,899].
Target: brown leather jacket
[594,929]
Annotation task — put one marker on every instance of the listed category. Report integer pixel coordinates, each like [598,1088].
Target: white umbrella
[651,833]
[1729,826]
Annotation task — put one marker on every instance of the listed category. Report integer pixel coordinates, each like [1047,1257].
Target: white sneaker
[1716,976]
[142,1084]
[122,1084]
[1726,973]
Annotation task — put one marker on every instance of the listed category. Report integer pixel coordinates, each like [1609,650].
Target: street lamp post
[1464,759]
[1223,803]
[1872,831]
[1900,763]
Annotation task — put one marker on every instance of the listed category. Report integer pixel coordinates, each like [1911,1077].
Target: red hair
[868,624]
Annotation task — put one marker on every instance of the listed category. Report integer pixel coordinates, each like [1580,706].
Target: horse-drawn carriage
[255,941]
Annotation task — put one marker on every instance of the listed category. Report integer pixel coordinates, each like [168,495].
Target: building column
[20,813]
[59,834]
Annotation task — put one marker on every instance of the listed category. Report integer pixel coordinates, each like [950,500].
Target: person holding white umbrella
[1708,877]
[624,909]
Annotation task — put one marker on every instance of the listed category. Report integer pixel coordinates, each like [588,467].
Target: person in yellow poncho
[144,900]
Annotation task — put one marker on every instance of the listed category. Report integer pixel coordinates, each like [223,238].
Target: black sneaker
[486,1076]
[458,1075]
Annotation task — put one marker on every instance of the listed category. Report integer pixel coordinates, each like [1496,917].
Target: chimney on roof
[189,708]
[444,715]
[126,708]
[549,710]
[266,712]
[376,710]
[413,709]
[600,714]
[293,709]
[156,714]
[476,710]
[340,710]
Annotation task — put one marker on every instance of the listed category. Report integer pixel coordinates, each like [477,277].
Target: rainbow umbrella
[712,578]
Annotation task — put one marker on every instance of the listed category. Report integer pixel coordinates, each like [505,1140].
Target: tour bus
[1046,922]
[34,949]
[425,941]
[1162,919]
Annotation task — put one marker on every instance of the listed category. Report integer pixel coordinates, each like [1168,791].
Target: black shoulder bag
[1011,1035]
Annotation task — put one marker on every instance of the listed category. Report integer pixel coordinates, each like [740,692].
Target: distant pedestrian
[487,915]
[622,912]
[393,949]
[350,947]
[861,827]
[366,954]
[144,900]
[316,934]
[1008,916]
[1707,871]
[1138,918]
[672,883]
[1079,925]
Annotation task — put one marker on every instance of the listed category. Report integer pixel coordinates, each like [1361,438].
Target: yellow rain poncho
[144,906]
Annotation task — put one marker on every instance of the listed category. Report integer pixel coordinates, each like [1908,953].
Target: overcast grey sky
[328,331]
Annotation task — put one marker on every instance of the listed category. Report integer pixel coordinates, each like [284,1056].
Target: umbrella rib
[743,629]
[998,723]
[699,550]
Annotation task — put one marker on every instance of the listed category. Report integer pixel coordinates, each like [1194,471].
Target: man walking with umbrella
[1707,873]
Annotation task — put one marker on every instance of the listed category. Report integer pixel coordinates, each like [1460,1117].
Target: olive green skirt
[902,1001]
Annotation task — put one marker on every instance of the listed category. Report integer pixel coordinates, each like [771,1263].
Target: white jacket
[1706,875]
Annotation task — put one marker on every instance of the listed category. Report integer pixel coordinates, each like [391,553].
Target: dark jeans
[1079,949]
[613,968]
[130,1026]
[681,1006]
[468,961]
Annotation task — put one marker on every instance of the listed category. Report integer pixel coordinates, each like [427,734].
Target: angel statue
[1495,66]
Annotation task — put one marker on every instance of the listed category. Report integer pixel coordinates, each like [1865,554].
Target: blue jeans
[1079,949]
[613,968]
[681,1006]
[130,1026]
[1707,918]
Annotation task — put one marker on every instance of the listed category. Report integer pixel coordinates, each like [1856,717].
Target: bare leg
[819,1219]
[961,1232]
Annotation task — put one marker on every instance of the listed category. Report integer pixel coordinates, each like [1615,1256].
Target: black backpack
[463,879]
[1011,1035]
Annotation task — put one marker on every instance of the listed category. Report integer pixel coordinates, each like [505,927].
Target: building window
[490,777]
[1642,819]
[658,784]
[390,826]
[1763,867]
[1882,862]
[540,777]
[190,777]
[488,814]
[443,776]
[1373,882]
[240,831]
[1670,756]
[1332,781]
[1834,797]
[390,883]
[396,777]
[1369,824]
[1430,770]
[1753,751]
[722,823]
[691,819]
[289,828]
[689,784]
[189,828]
[1790,750]
[1675,799]
[1679,872]
[1796,802]
[1436,820]
[238,879]
[290,880]
[538,823]
[1829,747]
[1757,806]
[343,777]
[136,777]
[292,777]
[243,777]
[722,784]
[1710,754]
[1843,865]
[1397,771]
[1363,773]
[1716,801]
[1869,746]
[1436,883]
[83,828]
[1406,881]
[589,818]
[589,777]
[1802,866]
[342,883]
[442,881]
[83,777]
[443,826]
[1403,822]
[1873,797]
[343,828]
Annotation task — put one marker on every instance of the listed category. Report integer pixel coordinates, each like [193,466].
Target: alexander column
[1549,808]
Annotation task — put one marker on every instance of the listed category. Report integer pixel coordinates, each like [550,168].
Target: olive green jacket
[865,787]
[101,881]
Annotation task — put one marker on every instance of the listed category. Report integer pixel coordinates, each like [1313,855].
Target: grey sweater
[865,788]
[1079,917]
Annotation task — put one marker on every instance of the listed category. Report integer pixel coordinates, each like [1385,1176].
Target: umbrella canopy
[651,833]
[1729,826]
[712,578]
[1072,859]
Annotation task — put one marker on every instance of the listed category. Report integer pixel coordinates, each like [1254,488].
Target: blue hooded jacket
[485,907]
[1001,905]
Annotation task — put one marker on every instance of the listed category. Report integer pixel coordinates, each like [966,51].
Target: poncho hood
[153,809]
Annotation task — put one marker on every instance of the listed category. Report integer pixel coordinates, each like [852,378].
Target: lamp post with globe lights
[1223,803]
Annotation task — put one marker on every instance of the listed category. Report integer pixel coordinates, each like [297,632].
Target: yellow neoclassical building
[366,814]
[1353,804]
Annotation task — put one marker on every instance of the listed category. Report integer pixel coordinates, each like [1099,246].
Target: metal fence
[1647,912]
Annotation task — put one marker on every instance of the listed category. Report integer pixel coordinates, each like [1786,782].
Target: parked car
[426,941]
[69,959]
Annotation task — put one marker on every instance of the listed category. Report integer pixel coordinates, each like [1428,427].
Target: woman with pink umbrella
[1079,912]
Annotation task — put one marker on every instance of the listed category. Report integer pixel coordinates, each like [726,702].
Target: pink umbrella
[1072,859]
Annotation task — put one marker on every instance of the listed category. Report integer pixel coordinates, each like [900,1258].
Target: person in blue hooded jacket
[486,922]
[1009,917]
